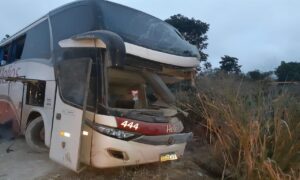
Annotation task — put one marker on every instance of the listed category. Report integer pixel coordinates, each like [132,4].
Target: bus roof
[134,26]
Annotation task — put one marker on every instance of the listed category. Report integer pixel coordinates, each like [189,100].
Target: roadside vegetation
[246,129]
[246,126]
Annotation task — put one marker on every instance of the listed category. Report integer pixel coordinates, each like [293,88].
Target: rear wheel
[35,135]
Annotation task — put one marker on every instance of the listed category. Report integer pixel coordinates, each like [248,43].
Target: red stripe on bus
[144,127]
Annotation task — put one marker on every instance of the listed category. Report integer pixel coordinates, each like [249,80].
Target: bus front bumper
[109,152]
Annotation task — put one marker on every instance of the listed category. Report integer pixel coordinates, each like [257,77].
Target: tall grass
[254,128]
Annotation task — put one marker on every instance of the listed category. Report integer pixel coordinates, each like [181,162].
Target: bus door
[16,92]
[73,78]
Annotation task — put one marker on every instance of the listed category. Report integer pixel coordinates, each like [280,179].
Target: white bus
[88,82]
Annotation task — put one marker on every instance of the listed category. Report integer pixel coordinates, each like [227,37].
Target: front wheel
[35,135]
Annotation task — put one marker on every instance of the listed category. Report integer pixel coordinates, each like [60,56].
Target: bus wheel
[35,135]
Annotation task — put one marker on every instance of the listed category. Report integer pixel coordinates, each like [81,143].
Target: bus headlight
[115,133]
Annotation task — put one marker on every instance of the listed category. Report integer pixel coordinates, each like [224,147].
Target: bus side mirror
[115,46]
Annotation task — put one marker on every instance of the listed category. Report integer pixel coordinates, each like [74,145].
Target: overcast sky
[261,33]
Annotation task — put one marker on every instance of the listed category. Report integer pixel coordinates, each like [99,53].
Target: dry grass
[254,127]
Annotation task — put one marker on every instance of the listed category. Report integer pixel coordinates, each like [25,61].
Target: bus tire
[33,135]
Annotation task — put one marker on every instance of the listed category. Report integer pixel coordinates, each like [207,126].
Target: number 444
[130,125]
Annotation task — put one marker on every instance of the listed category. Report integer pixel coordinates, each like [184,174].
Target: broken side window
[17,48]
[35,94]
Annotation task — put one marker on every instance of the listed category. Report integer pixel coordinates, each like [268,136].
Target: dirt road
[17,161]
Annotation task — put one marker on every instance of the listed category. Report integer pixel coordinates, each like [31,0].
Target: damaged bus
[89,82]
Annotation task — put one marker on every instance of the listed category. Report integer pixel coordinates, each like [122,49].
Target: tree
[256,75]
[205,69]
[194,31]
[207,66]
[288,71]
[230,64]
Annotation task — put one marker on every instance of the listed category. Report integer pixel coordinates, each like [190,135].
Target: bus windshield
[133,90]
[145,30]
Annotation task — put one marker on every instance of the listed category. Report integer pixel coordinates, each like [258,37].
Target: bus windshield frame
[144,30]
[137,89]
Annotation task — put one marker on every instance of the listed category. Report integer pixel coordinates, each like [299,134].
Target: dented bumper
[110,152]
[165,139]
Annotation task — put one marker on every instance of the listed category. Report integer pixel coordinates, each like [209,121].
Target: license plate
[168,157]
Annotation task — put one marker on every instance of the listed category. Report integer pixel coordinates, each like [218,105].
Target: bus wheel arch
[33,115]
[35,132]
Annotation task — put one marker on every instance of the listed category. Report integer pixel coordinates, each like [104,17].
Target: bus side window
[5,55]
[16,49]
[13,51]
[1,55]
[70,18]
[35,94]
[37,43]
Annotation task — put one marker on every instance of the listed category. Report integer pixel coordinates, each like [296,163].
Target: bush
[254,127]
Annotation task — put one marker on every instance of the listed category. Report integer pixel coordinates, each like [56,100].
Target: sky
[260,33]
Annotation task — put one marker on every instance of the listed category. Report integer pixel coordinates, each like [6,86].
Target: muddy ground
[17,161]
